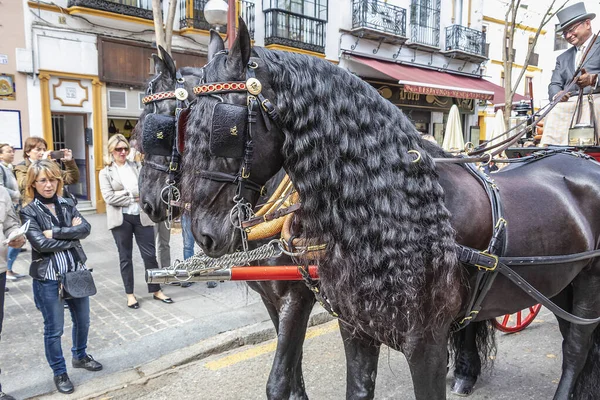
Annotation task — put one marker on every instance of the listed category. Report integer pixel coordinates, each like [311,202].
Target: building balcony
[465,44]
[425,25]
[289,29]
[192,15]
[131,8]
[377,20]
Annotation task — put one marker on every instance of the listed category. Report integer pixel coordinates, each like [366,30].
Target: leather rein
[474,155]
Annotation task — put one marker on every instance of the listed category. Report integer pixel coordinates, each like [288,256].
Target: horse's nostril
[147,207]
[207,242]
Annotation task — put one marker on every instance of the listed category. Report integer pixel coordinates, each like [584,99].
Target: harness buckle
[472,314]
[173,166]
[245,175]
[487,267]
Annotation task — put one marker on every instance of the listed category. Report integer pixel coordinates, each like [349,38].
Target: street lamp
[215,13]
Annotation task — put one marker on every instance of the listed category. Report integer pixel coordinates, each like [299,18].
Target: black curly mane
[391,261]
[391,267]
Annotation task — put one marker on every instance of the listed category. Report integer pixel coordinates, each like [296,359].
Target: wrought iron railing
[294,30]
[379,16]
[465,39]
[192,15]
[425,22]
[134,8]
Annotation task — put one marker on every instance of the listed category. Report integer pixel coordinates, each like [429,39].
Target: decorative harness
[159,128]
[232,137]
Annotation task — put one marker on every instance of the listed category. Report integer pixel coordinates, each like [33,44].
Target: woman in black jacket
[55,228]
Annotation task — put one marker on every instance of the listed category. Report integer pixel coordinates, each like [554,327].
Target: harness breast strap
[491,262]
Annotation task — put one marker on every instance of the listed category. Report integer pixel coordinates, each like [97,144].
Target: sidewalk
[129,343]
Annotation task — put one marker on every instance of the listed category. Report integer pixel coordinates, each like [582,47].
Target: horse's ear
[215,44]
[164,63]
[239,55]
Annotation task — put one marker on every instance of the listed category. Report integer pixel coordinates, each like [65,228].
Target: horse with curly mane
[392,224]
[288,303]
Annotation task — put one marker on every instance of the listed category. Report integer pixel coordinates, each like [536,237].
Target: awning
[425,81]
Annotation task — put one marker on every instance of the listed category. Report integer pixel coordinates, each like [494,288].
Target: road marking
[269,347]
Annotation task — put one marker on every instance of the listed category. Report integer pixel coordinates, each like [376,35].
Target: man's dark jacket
[565,69]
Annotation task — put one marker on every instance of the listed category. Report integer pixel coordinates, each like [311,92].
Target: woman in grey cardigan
[119,187]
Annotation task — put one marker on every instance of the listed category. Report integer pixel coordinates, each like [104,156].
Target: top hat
[572,15]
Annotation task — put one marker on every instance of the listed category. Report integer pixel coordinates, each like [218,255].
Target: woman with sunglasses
[126,219]
[55,229]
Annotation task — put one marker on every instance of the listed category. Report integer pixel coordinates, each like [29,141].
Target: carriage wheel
[511,323]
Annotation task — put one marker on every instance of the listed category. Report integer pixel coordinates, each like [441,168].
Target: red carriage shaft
[271,273]
[258,273]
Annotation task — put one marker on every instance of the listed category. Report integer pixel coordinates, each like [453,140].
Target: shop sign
[402,98]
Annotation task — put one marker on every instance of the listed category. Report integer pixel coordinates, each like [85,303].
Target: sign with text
[404,98]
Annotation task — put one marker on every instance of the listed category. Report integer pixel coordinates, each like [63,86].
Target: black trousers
[144,237]
[2,287]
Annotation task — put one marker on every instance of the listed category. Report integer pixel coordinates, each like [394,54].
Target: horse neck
[469,205]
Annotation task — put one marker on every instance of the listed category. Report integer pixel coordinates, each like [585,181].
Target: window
[425,22]
[308,8]
[560,43]
[141,95]
[117,99]
[58,131]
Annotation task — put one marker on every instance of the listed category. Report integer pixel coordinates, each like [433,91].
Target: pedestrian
[126,219]
[576,28]
[55,229]
[189,242]
[35,148]
[9,222]
[9,182]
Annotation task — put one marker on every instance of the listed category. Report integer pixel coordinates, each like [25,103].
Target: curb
[140,375]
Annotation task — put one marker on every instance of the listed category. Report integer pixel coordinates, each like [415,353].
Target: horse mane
[391,265]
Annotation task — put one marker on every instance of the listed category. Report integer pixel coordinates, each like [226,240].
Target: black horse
[288,303]
[391,222]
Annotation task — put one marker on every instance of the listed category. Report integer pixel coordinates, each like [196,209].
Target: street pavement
[123,339]
[526,367]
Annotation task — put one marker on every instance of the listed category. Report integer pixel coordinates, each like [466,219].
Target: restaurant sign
[403,98]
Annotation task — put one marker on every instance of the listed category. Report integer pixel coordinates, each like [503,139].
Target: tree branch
[158,23]
[169,27]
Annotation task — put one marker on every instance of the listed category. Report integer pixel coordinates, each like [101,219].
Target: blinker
[228,133]
[158,134]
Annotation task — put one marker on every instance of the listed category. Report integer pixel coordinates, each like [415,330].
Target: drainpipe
[231,23]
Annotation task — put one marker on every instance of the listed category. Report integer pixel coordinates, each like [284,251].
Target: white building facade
[87,61]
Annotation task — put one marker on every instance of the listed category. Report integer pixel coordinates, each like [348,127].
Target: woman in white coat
[119,187]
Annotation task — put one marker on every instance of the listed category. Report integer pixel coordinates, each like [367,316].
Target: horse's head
[155,135]
[233,146]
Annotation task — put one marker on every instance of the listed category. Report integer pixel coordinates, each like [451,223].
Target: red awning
[425,81]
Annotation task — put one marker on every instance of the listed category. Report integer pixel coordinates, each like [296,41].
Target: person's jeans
[11,257]
[188,238]
[47,300]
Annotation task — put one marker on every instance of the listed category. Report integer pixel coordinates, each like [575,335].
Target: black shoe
[6,289]
[211,284]
[186,284]
[22,249]
[88,363]
[4,396]
[63,383]
[167,300]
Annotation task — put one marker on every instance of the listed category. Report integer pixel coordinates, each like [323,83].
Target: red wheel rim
[511,323]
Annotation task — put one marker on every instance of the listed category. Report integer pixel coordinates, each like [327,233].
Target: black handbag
[76,284]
